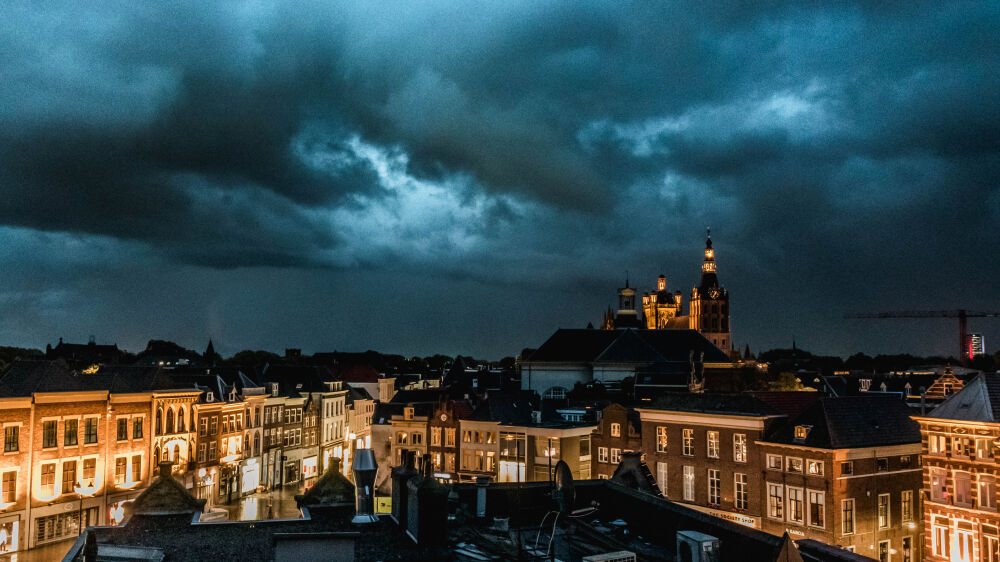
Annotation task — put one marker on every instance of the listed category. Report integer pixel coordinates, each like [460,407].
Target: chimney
[365,468]
[401,475]
[536,416]
[482,482]
[166,469]
[427,506]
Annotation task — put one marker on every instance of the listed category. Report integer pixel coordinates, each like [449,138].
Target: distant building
[977,345]
[619,431]
[960,472]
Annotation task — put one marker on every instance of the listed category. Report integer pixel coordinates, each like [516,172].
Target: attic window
[801,432]
[232,395]
[274,389]
[408,413]
[298,386]
[209,397]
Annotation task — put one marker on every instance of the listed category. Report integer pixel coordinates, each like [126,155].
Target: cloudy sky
[460,178]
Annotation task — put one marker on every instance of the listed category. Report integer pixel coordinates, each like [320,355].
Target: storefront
[309,468]
[205,483]
[10,533]
[292,472]
[62,521]
[249,476]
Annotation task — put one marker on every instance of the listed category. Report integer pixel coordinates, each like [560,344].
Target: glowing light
[91,369]
[201,472]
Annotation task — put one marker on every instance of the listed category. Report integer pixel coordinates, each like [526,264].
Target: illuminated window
[906,501]
[137,428]
[937,444]
[795,511]
[713,445]
[883,511]
[137,468]
[939,484]
[661,477]
[774,462]
[616,455]
[814,467]
[740,447]
[68,476]
[616,430]
[602,454]
[9,491]
[661,439]
[121,463]
[449,437]
[775,501]
[47,485]
[987,492]
[939,536]
[688,483]
[122,429]
[793,464]
[89,473]
[963,488]
[436,439]
[687,443]
[801,432]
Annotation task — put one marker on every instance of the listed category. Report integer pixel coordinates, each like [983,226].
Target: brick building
[619,431]
[443,440]
[846,472]
[960,472]
[700,450]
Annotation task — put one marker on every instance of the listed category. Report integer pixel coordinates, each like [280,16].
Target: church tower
[710,303]
[661,306]
[627,315]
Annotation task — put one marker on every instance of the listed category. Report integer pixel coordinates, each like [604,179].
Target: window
[775,501]
[661,477]
[939,484]
[436,437]
[883,511]
[847,516]
[740,447]
[417,439]
[689,483]
[795,512]
[882,465]
[48,481]
[213,425]
[713,486]
[213,451]
[987,492]
[137,468]
[49,434]
[70,432]
[713,444]
[616,455]
[400,438]
[8,494]
[939,536]
[89,473]
[584,445]
[814,467]
[937,444]
[120,464]
[991,545]
[962,446]
[408,413]
[202,426]
[687,443]
[68,477]
[201,452]
[602,454]
[774,462]
[137,428]
[466,436]
[984,449]
[122,429]
[963,488]
[817,509]
[740,491]
[793,464]
[908,550]
[616,430]
[847,468]
[883,551]
[661,439]
[11,440]
[906,505]
[801,432]
[225,423]
[904,460]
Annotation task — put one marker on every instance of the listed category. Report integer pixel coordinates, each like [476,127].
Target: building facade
[618,432]
[960,472]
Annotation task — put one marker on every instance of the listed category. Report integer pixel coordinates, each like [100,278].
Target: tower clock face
[714,293]
[444,417]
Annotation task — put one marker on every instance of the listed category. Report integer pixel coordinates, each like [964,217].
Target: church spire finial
[709,264]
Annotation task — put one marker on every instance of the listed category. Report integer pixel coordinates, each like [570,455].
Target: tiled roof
[27,377]
[852,422]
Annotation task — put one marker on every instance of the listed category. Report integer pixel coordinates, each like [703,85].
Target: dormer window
[209,397]
[801,432]
[274,389]
[408,413]
[232,395]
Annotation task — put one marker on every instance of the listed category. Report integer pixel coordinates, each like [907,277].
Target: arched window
[180,420]
[256,444]
[176,457]
[159,421]
[170,420]
[156,454]
[555,392]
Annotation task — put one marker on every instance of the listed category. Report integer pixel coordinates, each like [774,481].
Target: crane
[961,313]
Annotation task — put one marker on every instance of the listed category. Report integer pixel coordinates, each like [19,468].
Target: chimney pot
[166,469]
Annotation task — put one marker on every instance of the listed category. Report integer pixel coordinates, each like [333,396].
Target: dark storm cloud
[529,143]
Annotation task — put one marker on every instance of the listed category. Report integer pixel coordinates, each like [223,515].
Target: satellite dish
[565,492]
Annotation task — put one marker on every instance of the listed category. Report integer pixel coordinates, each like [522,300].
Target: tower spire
[708,266]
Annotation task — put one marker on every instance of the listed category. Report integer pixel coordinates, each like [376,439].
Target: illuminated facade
[960,472]
[709,307]
[336,434]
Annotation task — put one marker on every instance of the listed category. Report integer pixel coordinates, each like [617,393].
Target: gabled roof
[166,496]
[978,401]
[574,345]
[29,376]
[629,348]
[852,422]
